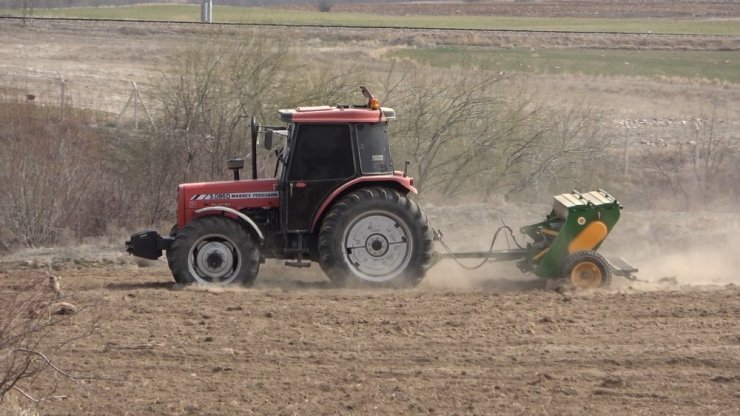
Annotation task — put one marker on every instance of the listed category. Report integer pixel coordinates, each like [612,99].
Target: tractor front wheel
[377,237]
[214,251]
[587,269]
[168,253]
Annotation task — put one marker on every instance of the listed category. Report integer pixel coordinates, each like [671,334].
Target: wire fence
[108,101]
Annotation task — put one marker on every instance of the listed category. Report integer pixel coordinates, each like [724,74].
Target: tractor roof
[372,112]
[327,114]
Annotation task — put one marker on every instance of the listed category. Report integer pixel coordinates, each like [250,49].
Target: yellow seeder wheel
[587,269]
[586,275]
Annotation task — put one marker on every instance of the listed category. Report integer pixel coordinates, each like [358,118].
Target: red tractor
[335,200]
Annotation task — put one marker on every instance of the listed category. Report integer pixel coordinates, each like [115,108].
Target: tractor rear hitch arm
[148,244]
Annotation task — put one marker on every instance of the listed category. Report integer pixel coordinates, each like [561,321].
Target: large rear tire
[214,251]
[375,237]
[587,269]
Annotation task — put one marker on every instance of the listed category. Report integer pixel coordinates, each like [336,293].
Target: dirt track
[287,347]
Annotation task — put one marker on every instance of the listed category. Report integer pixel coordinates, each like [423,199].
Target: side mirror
[268,139]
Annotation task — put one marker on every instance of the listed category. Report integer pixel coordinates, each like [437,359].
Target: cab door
[321,159]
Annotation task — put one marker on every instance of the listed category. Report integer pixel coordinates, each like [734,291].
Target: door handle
[291,190]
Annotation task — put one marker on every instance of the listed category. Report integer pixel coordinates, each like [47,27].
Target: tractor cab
[325,148]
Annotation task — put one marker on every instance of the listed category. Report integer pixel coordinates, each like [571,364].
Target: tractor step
[298,263]
[620,267]
[295,250]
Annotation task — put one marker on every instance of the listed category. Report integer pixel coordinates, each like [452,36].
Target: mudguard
[396,180]
[239,215]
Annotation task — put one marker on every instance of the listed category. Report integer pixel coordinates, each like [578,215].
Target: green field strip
[709,65]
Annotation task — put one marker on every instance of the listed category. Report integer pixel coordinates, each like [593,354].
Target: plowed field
[291,345]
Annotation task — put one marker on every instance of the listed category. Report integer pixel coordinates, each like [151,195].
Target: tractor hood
[238,195]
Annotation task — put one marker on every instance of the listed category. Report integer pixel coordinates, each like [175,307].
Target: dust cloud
[679,248]
[703,264]
[496,277]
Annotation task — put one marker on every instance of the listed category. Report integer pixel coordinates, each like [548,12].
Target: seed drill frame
[565,243]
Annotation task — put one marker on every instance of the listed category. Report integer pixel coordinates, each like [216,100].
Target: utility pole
[206,11]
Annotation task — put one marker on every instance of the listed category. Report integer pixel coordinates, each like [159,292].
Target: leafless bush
[553,149]
[697,172]
[29,336]
[207,97]
[444,126]
[49,168]
[145,168]
[464,136]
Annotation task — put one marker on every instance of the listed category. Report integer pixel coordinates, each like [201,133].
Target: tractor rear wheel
[587,269]
[375,237]
[214,251]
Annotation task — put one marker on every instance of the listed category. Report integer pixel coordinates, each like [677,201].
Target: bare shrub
[48,172]
[29,336]
[203,103]
[465,137]
[143,174]
[694,173]
[207,96]
[459,131]
[552,149]
[444,125]
[322,85]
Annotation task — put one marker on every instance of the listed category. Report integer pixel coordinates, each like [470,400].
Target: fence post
[135,97]
[62,95]
[626,150]
[143,106]
[136,110]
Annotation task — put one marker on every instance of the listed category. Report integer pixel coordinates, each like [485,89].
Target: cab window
[321,152]
[372,140]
